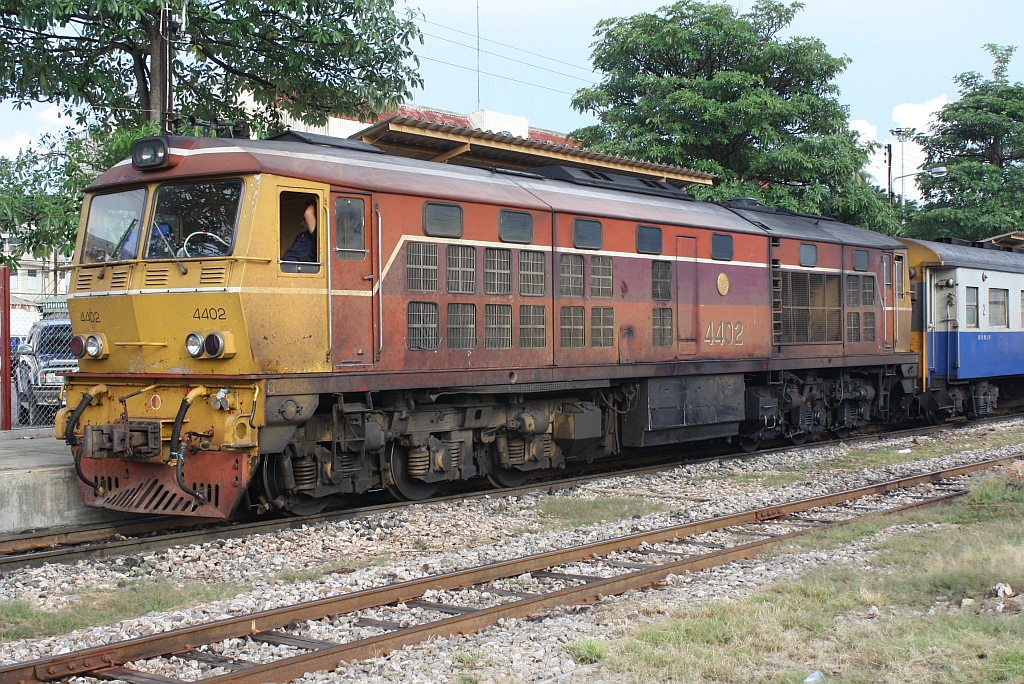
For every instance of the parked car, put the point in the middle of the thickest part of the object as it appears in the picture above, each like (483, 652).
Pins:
(40, 359)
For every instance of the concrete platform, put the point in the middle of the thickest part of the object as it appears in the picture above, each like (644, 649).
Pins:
(37, 485)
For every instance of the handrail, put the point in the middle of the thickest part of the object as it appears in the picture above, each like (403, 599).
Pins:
(380, 284)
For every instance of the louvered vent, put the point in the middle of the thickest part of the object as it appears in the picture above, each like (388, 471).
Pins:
(83, 283)
(157, 275)
(119, 278)
(213, 274)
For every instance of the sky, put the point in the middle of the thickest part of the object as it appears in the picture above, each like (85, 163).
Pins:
(535, 54)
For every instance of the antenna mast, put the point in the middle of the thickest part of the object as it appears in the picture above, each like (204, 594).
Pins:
(478, 54)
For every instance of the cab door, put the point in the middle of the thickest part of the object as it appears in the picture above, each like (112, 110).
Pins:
(686, 295)
(352, 279)
(888, 302)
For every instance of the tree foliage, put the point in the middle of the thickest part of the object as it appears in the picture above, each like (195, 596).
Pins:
(41, 188)
(980, 140)
(703, 86)
(310, 58)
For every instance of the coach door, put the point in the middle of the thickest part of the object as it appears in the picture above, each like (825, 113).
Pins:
(353, 276)
(686, 295)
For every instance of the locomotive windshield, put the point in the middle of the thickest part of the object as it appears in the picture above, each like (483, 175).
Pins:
(112, 231)
(194, 219)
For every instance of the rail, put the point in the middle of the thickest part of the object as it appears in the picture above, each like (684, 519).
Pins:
(107, 662)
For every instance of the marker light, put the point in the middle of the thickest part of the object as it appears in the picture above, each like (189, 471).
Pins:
(94, 346)
(149, 153)
(214, 345)
(194, 345)
(78, 346)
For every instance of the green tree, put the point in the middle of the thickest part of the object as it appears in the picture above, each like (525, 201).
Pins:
(980, 140)
(310, 58)
(41, 188)
(701, 85)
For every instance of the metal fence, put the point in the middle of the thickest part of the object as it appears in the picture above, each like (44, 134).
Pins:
(39, 354)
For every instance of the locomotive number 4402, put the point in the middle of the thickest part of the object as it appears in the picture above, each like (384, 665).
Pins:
(724, 332)
(210, 314)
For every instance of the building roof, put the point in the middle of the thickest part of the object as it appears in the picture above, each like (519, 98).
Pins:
(440, 136)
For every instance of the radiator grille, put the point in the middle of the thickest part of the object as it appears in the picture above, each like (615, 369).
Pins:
(213, 274)
(83, 283)
(423, 325)
(531, 274)
(497, 271)
(157, 275)
(811, 307)
(461, 269)
(461, 326)
(421, 266)
(532, 327)
(498, 326)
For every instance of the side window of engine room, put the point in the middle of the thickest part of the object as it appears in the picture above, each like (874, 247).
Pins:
(349, 228)
(299, 216)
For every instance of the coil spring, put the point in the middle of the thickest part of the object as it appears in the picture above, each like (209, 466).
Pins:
(516, 451)
(347, 462)
(305, 474)
(419, 462)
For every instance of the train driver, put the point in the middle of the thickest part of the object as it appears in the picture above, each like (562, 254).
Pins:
(304, 247)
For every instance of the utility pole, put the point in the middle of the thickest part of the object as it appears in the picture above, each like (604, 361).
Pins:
(888, 163)
(162, 74)
(478, 55)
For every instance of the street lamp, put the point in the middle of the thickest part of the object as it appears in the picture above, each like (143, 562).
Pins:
(934, 172)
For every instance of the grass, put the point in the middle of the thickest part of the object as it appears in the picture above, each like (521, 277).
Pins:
(784, 632)
(467, 679)
(587, 651)
(20, 620)
(466, 657)
(567, 512)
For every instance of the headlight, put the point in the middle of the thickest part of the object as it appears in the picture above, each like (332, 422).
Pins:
(78, 346)
(149, 153)
(194, 345)
(94, 346)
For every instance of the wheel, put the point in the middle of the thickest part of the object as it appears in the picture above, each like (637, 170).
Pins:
(935, 417)
(796, 438)
(841, 433)
(407, 488)
(749, 445)
(272, 489)
(504, 478)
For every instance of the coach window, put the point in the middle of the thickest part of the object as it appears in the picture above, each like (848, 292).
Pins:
(515, 226)
(293, 223)
(648, 240)
(442, 220)
(349, 215)
(586, 234)
(721, 247)
(860, 260)
(808, 255)
(998, 308)
(972, 307)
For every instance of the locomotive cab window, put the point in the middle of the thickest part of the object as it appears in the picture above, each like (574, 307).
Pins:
(299, 219)
(350, 234)
(860, 260)
(721, 247)
(113, 219)
(194, 220)
(808, 255)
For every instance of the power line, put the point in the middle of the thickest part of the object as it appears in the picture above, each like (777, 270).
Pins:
(511, 47)
(485, 73)
(511, 59)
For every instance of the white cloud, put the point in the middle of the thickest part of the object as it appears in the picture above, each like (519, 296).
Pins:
(51, 115)
(918, 116)
(867, 130)
(10, 146)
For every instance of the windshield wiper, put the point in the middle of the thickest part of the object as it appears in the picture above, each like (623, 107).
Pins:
(170, 250)
(117, 248)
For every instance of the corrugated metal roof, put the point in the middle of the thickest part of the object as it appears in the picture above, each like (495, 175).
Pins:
(431, 133)
(807, 227)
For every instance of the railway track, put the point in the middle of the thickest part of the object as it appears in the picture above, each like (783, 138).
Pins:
(372, 622)
(155, 533)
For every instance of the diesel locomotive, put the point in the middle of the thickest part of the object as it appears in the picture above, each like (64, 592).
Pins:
(460, 323)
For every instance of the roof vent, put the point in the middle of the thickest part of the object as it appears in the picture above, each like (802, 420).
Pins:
(324, 141)
(611, 181)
